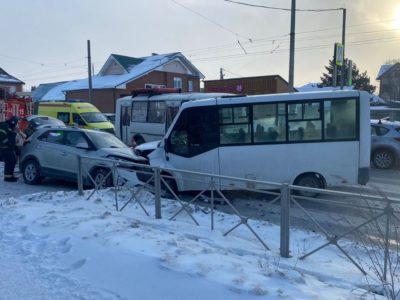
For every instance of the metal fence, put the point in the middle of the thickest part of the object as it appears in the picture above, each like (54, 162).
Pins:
(364, 215)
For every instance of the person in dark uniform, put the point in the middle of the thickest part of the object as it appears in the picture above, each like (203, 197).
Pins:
(7, 147)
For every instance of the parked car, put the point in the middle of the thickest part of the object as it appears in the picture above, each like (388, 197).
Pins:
(52, 152)
(385, 143)
(34, 122)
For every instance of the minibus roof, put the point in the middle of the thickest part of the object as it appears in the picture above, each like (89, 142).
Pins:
(174, 97)
(319, 95)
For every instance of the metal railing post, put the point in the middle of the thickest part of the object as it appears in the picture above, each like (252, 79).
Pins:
(80, 177)
(157, 192)
(212, 187)
(388, 212)
(115, 183)
(285, 221)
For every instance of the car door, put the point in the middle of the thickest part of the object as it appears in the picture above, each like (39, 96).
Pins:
(50, 152)
(76, 144)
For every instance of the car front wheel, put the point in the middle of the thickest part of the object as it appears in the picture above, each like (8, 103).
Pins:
(99, 177)
(31, 172)
(383, 159)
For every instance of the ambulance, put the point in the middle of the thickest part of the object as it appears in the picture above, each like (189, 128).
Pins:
(76, 113)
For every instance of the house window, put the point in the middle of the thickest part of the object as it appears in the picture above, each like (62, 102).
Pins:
(177, 82)
(190, 86)
(150, 86)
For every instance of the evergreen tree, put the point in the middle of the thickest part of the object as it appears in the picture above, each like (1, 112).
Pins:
(361, 81)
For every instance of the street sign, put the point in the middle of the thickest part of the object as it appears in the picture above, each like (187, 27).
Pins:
(339, 54)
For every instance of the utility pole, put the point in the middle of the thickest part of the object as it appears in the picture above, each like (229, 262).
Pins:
(292, 40)
(89, 71)
(221, 74)
(344, 52)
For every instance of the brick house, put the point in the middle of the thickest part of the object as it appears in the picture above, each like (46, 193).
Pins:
(121, 74)
(389, 82)
(9, 84)
(270, 84)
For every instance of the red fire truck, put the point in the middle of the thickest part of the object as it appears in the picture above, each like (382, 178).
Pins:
(20, 107)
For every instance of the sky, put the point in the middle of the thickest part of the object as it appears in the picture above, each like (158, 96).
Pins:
(57, 245)
(46, 40)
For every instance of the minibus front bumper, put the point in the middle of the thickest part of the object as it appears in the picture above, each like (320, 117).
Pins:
(363, 175)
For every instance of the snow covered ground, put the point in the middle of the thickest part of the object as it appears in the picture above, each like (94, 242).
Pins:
(59, 245)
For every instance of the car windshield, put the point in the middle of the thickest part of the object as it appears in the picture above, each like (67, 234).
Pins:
(105, 140)
(94, 117)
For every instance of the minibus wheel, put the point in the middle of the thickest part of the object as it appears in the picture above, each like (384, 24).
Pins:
(165, 191)
(312, 180)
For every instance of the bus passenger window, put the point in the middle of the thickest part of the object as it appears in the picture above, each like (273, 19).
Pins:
(139, 111)
(156, 113)
(340, 119)
(269, 123)
(234, 125)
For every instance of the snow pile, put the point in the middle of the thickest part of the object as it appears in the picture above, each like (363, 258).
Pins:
(62, 246)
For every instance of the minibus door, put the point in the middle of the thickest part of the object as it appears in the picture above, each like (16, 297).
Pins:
(125, 123)
(192, 145)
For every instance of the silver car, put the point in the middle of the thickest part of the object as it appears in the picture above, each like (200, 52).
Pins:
(385, 143)
(53, 152)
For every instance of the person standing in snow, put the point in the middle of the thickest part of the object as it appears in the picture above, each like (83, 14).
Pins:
(7, 147)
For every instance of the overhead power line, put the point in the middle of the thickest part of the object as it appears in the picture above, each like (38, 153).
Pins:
(210, 20)
(305, 48)
(283, 9)
(277, 43)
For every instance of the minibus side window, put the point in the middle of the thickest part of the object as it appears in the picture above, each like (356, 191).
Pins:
(139, 111)
(304, 121)
(156, 112)
(269, 123)
(340, 119)
(234, 125)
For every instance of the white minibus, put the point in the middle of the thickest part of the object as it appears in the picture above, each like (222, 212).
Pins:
(315, 139)
(146, 115)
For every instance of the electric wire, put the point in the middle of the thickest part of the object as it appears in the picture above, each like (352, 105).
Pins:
(284, 9)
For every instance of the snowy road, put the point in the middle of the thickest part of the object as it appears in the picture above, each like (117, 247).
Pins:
(58, 245)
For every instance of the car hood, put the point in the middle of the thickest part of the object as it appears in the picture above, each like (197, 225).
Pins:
(148, 146)
(121, 152)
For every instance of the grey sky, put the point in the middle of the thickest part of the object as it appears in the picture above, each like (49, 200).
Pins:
(45, 40)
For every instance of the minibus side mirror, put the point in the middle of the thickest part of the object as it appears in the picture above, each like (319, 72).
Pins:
(166, 146)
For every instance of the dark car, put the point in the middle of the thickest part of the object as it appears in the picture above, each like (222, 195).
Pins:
(34, 122)
(385, 143)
